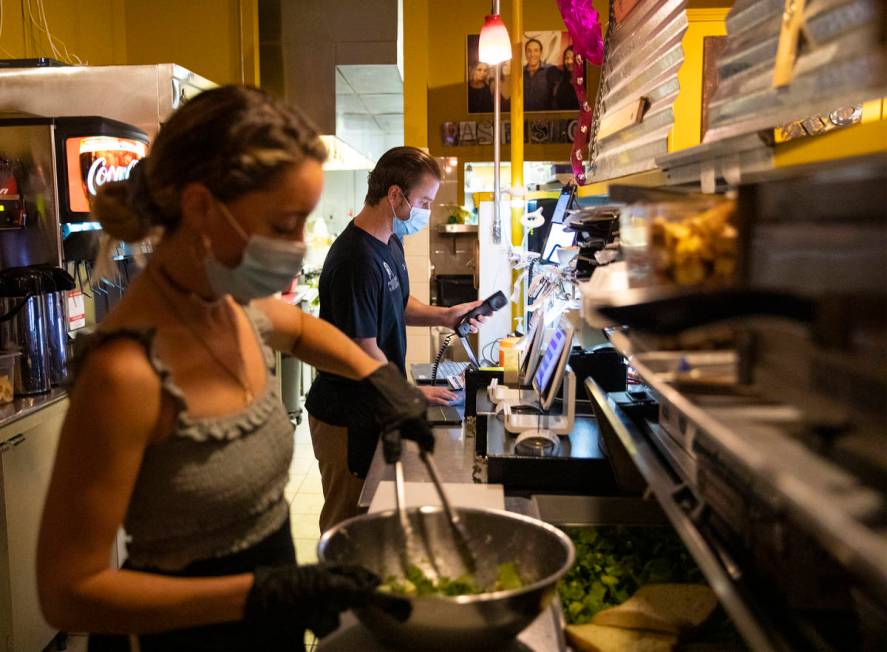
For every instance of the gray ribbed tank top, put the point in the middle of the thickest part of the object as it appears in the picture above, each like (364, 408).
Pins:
(215, 486)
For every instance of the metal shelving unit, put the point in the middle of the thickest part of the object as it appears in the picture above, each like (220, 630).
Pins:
(814, 497)
(682, 507)
(457, 229)
(832, 505)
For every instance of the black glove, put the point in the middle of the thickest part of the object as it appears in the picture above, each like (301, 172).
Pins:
(290, 599)
(395, 406)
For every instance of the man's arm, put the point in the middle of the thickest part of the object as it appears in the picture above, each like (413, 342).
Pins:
(434, 395)
(417, 313)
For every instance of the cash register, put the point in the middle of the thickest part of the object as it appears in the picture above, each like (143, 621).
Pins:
(532, 437)
(527, 413)
(427, 373)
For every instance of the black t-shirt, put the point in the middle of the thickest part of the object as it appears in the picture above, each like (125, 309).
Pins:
(364, 289)
(480, 100)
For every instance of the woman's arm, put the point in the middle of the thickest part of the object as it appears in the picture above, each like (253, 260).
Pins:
(96, 465)
(315, 341)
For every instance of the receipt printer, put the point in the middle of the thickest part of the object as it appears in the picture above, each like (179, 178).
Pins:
(603, 363)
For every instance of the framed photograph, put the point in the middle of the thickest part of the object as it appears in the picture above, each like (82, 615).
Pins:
(547, 65)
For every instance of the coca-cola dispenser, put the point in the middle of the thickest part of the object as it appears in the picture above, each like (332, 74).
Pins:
(50, 169)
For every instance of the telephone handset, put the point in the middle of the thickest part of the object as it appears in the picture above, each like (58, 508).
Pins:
(490, 305)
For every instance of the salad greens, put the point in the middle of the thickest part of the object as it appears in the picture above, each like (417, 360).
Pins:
(614, 562)
(416, 583)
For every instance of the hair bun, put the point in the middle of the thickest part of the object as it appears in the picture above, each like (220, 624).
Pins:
(114, 210)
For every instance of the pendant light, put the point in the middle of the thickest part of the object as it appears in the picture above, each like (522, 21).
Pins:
(493, 49)
(495, 44)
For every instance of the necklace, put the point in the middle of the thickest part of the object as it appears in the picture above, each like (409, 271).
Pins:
(239, 375)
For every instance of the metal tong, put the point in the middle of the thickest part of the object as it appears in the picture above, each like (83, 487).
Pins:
(411, 557)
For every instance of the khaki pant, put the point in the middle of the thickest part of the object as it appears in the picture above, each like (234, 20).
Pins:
(341, 489)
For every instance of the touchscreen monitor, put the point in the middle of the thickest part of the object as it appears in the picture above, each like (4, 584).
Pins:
(549, 373)
(531, 355)
(558, 236)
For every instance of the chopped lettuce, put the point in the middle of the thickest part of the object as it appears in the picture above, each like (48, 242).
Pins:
(507, 577)
(417, 584)
(613, 562)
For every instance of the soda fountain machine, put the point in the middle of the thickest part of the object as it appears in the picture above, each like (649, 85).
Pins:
(48, 242)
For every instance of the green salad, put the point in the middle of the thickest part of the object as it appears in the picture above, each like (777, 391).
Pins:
(417, 584)
(614, 562)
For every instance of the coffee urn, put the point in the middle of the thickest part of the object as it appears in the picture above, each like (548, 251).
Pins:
(34, 322)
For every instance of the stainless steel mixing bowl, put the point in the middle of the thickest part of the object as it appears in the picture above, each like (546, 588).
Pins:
(541, 552)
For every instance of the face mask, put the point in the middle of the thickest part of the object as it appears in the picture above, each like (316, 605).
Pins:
(417, 221)
(268, 266)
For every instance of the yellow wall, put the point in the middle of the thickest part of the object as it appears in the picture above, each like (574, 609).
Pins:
(92, 29)
(855, 140)
(704, 21)
(448, 25)
(206, 36)
(415, 73)
(201, 36)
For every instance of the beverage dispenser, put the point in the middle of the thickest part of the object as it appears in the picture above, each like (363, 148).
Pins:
(50, 169)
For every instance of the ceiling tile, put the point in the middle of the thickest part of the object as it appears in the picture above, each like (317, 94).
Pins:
(390, 123)
(373, 78)
(357, 122)
(349, 104)
(383, 103)
(342, 85)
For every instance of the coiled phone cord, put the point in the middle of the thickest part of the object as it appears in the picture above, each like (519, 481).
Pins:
(440, 355)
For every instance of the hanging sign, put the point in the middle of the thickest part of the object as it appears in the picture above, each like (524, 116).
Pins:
(469, 132)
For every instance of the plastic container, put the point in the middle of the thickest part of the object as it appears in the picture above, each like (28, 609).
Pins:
(684, 243)
(634, 220)
(509, 358)
(7, 384)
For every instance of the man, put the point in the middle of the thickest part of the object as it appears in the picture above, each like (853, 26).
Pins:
(364, 291)
(538, 78)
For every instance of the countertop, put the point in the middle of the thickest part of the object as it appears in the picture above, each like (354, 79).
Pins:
(26, 406)
(454, 458)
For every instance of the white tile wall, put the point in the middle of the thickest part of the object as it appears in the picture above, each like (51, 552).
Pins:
(417, 250)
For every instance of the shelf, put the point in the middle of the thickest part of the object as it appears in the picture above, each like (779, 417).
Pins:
(652, 178)
(457, 229)
(677, 501)
(831, 505)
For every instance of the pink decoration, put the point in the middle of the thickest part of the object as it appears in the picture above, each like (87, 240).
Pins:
(583, 23)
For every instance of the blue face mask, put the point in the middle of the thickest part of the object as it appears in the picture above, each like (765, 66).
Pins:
(417, 221)
(268, 266)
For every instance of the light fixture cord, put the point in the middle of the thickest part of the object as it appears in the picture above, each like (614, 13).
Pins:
(497, 137)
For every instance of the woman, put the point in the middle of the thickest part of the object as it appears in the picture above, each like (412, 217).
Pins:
(564, 93)
(480, 98)
(174, 428)
(505, 86)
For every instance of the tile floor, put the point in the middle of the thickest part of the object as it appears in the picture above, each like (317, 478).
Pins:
(305, 495)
